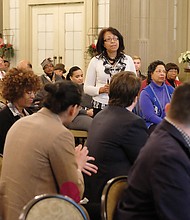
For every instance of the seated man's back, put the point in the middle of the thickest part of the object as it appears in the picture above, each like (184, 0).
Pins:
(159, 180)
(115, 137)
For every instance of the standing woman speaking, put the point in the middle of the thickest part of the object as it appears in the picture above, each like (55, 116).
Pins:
(110, 60)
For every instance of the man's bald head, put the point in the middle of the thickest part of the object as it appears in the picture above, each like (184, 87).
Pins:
(24, 64)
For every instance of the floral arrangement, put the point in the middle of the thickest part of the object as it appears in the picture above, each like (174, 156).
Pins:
(6, 50)
(91, 50)
(184, 57)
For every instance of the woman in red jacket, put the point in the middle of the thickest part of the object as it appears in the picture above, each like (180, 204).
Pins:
(172, 70)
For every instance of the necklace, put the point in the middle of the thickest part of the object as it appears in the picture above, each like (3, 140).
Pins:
(111, 60)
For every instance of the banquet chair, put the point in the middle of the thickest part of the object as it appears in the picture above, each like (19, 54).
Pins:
(1, 161)
(53, 206)
(110, 196)
(80, 136)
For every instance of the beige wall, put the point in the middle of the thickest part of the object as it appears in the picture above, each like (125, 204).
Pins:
(148, 27)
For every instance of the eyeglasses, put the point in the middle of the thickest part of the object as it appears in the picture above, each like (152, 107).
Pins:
(110, 39)
(160, 71)
(173, 71)
(48, 66)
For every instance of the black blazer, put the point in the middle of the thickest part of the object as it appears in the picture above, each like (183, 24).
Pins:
(159, 181)
(7, 119)
(114, 139)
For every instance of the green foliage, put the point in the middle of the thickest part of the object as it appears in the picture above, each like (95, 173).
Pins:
(6, 51)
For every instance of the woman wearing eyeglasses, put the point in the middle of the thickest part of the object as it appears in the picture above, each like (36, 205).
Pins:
(155, 96)
(18, 88)
(110, 59)
(172, 70)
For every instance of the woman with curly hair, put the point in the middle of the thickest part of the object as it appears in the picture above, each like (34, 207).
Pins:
(18, 88)
(110, 60)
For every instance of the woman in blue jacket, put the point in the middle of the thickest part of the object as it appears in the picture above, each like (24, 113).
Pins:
(155, 96)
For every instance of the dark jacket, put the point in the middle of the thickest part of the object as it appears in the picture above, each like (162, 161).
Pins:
(7, 119)
(159, 180)
(114, 139)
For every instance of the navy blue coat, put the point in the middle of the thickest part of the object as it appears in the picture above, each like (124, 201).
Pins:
(159, 181)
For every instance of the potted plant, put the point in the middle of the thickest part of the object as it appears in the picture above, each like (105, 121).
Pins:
(6, 51)
(185, 58)
(92, 50)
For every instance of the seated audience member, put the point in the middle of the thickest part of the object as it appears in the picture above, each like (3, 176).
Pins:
(155, 96)
(115, 137)
(59, 69)
(18, 88)
(2, 100)
(160, 178)
(48, 77)
(2, 67)
(137, 63)
(6, 65)
(2, 74)
(172, 70)
(40, 155)
(24, 65)
(83, 120)
(144, 83)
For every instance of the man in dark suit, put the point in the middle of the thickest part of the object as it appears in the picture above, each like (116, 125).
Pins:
(159, 181)
(115, 137)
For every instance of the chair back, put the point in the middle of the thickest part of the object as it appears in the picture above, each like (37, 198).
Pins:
(80, 136)
(56, 207)
(1, 161)
(110, 196)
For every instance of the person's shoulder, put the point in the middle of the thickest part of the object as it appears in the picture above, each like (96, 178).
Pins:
(94, 61)
(157, 142)
(5, 108)
(42, 75)
(5, 111)
(146, 90)
(143, 84)
(170, 88)
(136, 119)
(143, 77)
(127, 57)
(177, 82)
(42, 78)
(58, 78)
(119, 112)
(96, 58)
(166, 135)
